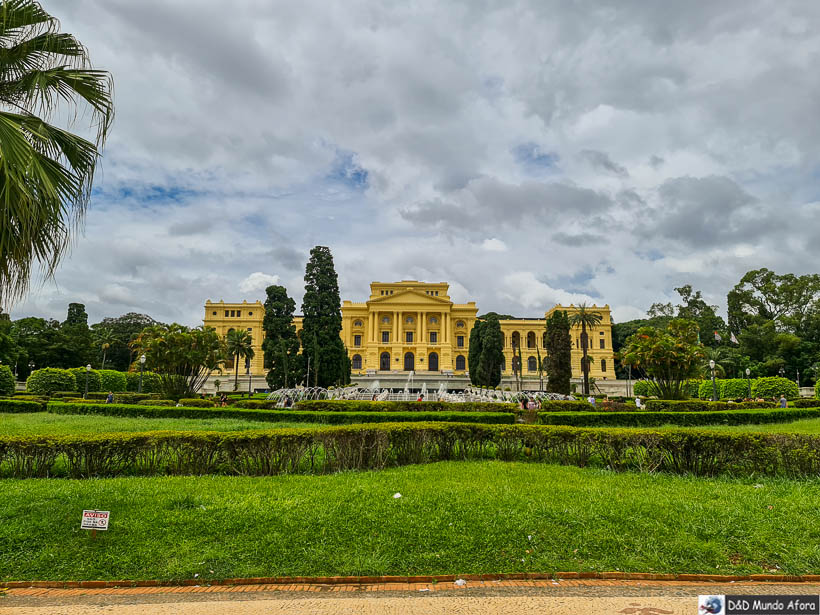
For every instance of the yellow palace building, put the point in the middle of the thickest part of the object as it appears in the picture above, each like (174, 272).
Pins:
(414, 326)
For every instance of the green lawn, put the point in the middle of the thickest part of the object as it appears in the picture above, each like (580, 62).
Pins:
(45, 423)
(454, 517)
(804, 426)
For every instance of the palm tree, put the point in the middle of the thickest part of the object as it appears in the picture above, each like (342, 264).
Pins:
(105, 339)
(587, 319)
(46, 172)
(722, 357)
(239, 344)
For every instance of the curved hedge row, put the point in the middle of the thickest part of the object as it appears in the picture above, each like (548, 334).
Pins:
(278, 416)
(367, 447)
(342, 405)
(694, 405)
(656, 419)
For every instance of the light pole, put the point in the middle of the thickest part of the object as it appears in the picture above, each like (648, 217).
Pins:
(248, 368)
(30, 367)
(748, 381)
(142, 365)
(714, 386)
(798, 379)
(87, 371)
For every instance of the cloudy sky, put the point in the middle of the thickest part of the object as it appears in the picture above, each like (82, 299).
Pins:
(526, 152)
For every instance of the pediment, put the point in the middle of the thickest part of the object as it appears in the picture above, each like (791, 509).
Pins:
(410, 297)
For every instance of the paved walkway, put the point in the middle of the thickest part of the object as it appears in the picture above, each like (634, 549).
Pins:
(502, 597)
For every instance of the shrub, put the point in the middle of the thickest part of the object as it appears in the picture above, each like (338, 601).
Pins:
(817, 389)
(565, 406)
(775, 386)
(124, 398)
(112, 380)
(373, 447)
(705, 389)
(734, 388)
(15, 406)
(337, 405)
(150, 382)
(196, 402)
(809, 402)
(683, 419)
(6, 380)
(281, 415)
(641, 388)
(693, 388)
(156, 402)
(93, 379)
(44, 381)
(694, 405)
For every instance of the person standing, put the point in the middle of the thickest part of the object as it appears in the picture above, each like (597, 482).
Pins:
(110, 398)
(783, 402)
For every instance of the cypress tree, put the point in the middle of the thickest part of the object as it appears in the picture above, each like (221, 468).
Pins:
(281, 345)
(322, 324)
(492, 353)
(79, 343)
(559, 353)
(474, 354)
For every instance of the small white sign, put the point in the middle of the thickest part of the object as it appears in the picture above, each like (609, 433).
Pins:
(95, 520)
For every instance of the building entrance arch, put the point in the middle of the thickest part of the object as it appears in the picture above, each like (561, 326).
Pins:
(384, 362)
(409, 362)
(432, 362)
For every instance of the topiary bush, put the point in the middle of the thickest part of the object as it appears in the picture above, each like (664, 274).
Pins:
(94, 379)
(775, 386)
(112, 380)
(705, 389)
(6, 380)
(156, 402)
(196, 402)
(734, 388)
(641, 388)
(150, 382)
(49, 379)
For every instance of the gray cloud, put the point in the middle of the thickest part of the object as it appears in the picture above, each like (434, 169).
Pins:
(602, 162)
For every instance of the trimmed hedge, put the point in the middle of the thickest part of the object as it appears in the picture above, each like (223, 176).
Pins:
(150, 382)
(277, 416)
(338, 405)
(373, 447)
(641, 388)
(734, 388)
(567, 406)
(49, 379)
(112, 380)
(124, 398)
(15, 406)
(94, 379)
(668, 405)
(6, 380)
(156, 402)
(683, 419)
(775, 386)
(196, 402)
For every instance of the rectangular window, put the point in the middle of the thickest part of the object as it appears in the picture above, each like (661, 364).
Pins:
(227, 313)
(233, 313)
(214, 313)
(238, 313)
(357, 340)
(433, 337)
(409, 337)
(250, 329)
(603, 343)
(460, 341)
(385, 337)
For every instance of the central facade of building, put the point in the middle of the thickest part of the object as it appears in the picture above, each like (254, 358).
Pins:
(414, 326)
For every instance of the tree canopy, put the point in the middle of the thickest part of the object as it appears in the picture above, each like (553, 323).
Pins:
(281, 344)
(559, 353)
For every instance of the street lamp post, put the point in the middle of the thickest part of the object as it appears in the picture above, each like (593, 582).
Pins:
(87, 371)
(748, 381)
(142, 365)
(714, 386)
(248, 369)
(798, 379)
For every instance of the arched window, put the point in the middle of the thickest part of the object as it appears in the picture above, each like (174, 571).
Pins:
(516, 339)
(384, 361)
(603, 365)
(531, 339)
(409, 320)
(357, 361)
(409, 362)
(386, 320)
(433, 320)
(432, 362)
(461, 364)
(460, 324)
(358, 323)
(532, 365)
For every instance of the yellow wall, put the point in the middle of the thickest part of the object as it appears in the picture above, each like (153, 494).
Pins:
(377, 329)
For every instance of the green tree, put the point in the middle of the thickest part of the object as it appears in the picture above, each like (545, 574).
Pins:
(42, 342)
(125, 329)
(104, 339)
(322, 320)
(78, 335)
(668, 358)
(724, 362)
(239, 345)
(46, 172)
(183, 358)
(693, 307)
(586, 319)
(492, 353)
(281, 344)
(474, 352)
(559, 353)
(9, 350)
(762, 295)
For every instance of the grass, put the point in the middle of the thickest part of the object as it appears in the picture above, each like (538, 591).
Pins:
(47, 424)
(810, 426)
(452, 518)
